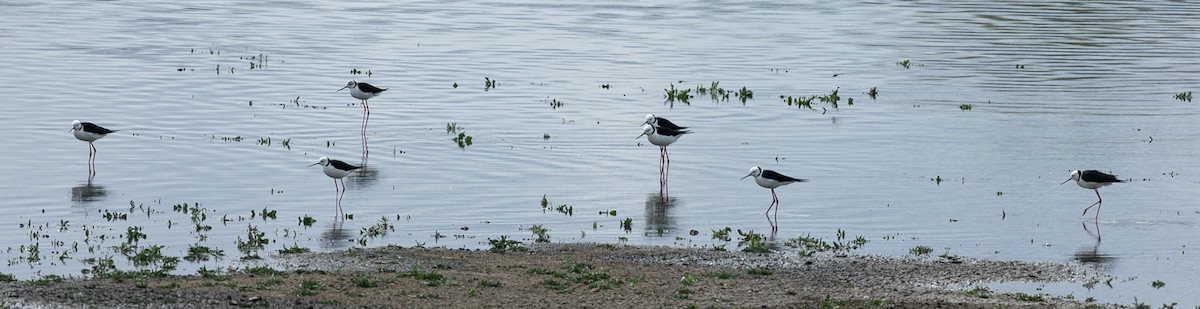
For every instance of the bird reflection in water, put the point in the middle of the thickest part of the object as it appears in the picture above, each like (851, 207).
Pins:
(87, 193)
(335, 237)
(658, 220)
(1093, 255)
(364, 177)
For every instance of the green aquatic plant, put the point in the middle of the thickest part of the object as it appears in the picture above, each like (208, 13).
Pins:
(1184, 96)
(904, 63)
(965, 107)
(873, 93)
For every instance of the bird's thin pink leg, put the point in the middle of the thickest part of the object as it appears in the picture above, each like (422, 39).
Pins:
(1099, 200)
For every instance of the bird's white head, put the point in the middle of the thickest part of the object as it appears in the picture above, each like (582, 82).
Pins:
(76, 125)
(650, 119)
(323, 161)
(754, 172)
(1075, 174)
(646, 130)
(349, 84)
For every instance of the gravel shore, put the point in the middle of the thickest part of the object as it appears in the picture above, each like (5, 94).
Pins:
(576, 276)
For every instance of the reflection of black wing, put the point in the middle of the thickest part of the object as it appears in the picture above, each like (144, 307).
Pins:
(343, 165)
(665, 131)
(93, 128)
(1097, 176)
(769, 174)
(663, 122)
(365, 87)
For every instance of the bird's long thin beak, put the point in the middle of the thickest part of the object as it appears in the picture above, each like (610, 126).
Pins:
(744, 177)
(314, 164)
(72, 129)
(640, 136)
(1065, 181)
(343, 88)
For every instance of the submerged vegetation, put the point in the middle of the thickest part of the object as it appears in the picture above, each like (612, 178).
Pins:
(714, 91)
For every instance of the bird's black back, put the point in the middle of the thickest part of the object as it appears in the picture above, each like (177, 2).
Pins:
(1097, 176)
(93, 128)
(343, 165)
(670, 132)
(365, 87)
(769, 174)
(663, 122)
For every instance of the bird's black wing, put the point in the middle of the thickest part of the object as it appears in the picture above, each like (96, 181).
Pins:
(780, 177)
(1097, 176)
(365, 87)
(93, 128)
(663, 122)
(670, 132)
(343, 165)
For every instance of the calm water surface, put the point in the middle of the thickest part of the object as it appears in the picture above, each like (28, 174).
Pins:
(1053, 86)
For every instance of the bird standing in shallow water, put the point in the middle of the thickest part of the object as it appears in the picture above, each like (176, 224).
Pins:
(662, 137)
(1092, 179)
(89, 132)
(337, 170)
(770, 179)
(364, 92)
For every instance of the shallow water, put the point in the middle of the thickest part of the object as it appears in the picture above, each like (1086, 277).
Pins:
(1053, 87)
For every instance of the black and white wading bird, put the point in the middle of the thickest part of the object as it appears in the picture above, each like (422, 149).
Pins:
(337, 170)
(662, 137)
(89, 132)
(770, 179)
(1092, 179)
(364, 92)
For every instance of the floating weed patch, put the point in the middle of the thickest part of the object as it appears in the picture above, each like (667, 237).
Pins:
(906, 64)
(197, 253)
(229, 139)
(378, 230)
(1184, 96)
(453, 127)
(673, 94)
(563, 209)
(920, 250)
(722, 234)
(255, 241)
(540, 233)
(555, 103)
(965, 107)
(306, 220)
(752, 242)
(504, 244)
(1157, 284)
(627, 225)
(360, 72)
(463, 140)
(805, 102)
(265, 214)
(873, 93)
(489, 83)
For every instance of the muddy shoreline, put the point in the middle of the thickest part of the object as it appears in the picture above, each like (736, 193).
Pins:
(573, 275)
